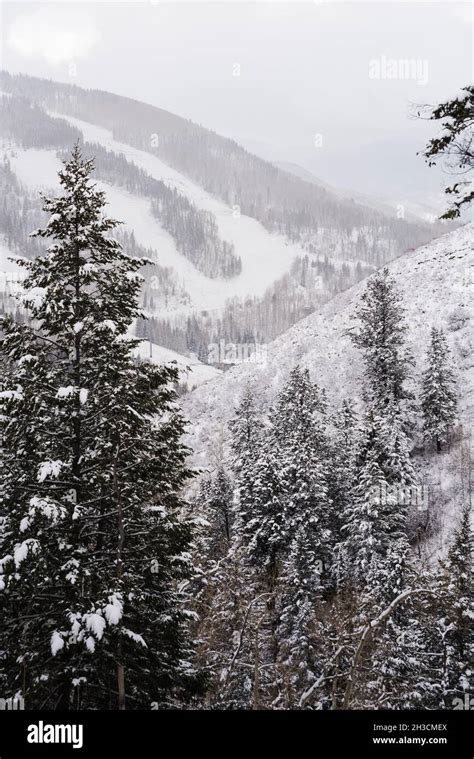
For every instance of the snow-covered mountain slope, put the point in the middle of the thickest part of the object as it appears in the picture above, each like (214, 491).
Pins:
(210, 169)
(436, 284)
(192, 371)
(243, 249)
(38, 168)
(254, 245)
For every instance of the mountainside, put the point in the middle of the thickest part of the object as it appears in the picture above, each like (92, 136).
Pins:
(192, 372)
(281, 201)
(242, 249)
(435, 283)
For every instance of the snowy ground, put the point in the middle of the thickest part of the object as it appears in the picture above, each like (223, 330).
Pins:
(10, 273)
(192, 371)
(5, 254)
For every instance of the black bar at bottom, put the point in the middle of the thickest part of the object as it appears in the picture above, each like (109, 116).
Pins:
(151, 734)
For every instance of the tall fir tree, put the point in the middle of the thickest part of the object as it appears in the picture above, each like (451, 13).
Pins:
(456, 623)
(283, 533)
(344, 443)
(216, 505)
(381, 337)
(377, 515)
(303, 523)
(93, 544)
(221, 594)
(247, 429)
(376, 520)
(289, 475)
(438, 398)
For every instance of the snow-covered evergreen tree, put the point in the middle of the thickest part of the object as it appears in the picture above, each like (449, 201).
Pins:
(379, 567)
(399, 666)
(439, 398)
(216, 501)
(246, 429)
(92, 547)
(221, 595)
(381, 337)
(376, 517)
(299, 625)
(289, 476)
(303, 525)
(457, 622)
(283, 529)
(344, 444)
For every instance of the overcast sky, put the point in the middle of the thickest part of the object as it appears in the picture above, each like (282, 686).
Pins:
(323, 84)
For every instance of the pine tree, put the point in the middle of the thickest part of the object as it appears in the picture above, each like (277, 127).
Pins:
(341, 475)
(216, 504)
(221, 595)
(376, 519)
(399, 666)
(283, 537)
(439, 402)
(246, 429)
(377, 516)
(92, 546)
(457, 630)
(381, 337)
(289, 476)
(300, 592)
(303, 524)
(264, 530)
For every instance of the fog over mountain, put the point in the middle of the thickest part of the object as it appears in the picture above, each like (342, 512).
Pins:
(271, 75)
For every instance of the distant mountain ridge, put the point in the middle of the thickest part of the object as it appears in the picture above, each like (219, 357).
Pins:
(281, 201)
(347, 194)
(243, 249)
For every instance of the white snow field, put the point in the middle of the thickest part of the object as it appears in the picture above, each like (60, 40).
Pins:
(10, 273)
(5, 254)
(436, 284)
(265, 256)
(192, 371)
(37, 169)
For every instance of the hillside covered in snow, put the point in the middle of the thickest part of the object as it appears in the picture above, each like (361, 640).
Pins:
(241, 248)
(435, 283)
(436, 286)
